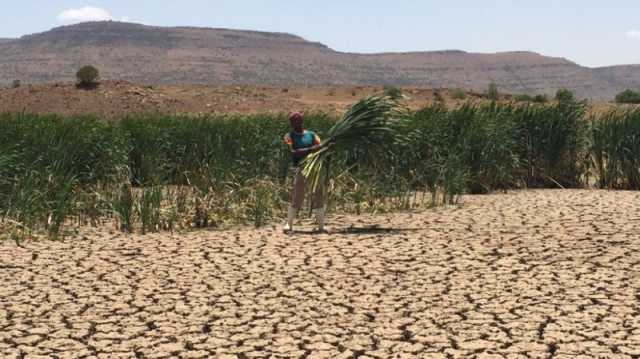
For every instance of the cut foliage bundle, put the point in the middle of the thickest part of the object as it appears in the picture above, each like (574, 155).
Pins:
(372, 121)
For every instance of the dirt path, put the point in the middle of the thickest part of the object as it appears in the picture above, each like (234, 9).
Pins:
(534, 274)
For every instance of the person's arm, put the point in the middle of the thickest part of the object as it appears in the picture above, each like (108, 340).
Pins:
(303, 151)
(287, 140)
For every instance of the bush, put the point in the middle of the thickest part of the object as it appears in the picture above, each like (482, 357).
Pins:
(16, 83)
(87, 76)
(492, 92)
(437, 97)
(393, 92)
(540, 99)
(524, 98)
(529, 98)
(564, 95)
(458, 94)
(628, 96)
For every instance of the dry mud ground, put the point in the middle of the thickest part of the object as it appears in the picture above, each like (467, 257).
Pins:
(533, 274)
(117, 99)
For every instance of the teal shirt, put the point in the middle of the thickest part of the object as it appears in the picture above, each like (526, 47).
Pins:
(298, 141)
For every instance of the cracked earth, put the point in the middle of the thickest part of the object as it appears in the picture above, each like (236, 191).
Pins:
(532, 274)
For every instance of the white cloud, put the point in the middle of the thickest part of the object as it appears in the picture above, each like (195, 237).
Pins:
(87, 13)
(633, 34)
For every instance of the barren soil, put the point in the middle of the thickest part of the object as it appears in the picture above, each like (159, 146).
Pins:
(533, 274)
(116, 99)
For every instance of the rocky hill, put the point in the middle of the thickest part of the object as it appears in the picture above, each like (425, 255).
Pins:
(188, 55)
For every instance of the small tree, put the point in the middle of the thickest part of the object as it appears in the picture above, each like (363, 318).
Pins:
(393, 92)
(437, 97)
(492, 92)
(540, 99)
(88, 76)
(524, 98)
(530, 98)
(628, 96)
(564, 95)
(458, 94)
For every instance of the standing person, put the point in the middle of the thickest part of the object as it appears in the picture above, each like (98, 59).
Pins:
(302, 142)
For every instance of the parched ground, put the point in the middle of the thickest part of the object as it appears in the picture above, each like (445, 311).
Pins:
(116, 99)
(533, 274)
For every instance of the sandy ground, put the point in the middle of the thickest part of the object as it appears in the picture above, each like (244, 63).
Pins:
(534, 274)
(116, 99)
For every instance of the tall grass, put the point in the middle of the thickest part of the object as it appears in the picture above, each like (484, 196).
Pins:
(150, 173)
(615, 149)
(470, 149)
(182, 150)
(48, 160)
(553, 144)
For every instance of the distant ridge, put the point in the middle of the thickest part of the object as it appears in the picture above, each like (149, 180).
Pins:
(177, 55)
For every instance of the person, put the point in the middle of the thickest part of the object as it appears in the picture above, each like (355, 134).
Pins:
(301, 143)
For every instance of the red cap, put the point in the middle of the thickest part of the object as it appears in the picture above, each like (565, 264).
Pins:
(295, 117)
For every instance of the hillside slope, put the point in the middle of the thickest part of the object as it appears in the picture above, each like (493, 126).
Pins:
(181, 55)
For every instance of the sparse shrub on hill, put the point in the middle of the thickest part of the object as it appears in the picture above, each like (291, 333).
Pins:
(524, 98)
(88, 76)
(393, 92)
(540, 99)
(529, 98)
(458, 94)
(15, 84)
(564, 95)
(628, 96)
(492, 92)
(437, 97)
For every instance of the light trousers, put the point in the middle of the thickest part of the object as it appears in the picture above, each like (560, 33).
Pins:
(298, 191)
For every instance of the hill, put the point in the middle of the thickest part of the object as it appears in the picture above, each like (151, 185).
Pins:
(189, 55)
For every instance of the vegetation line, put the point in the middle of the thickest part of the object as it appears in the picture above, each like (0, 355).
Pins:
(150, 173)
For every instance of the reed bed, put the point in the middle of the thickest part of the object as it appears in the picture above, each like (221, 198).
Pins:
(155, 173)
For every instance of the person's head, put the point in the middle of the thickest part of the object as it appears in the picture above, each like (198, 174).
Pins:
(296, 121)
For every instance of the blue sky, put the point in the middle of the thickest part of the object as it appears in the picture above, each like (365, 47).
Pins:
(589, 32)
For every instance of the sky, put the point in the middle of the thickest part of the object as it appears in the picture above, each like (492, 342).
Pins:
(590, 32)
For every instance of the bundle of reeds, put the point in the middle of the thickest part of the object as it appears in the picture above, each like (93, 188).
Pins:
(371, 121)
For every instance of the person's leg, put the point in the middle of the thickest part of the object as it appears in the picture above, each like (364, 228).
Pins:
(297, 199)
(319, 207)
(298, 190)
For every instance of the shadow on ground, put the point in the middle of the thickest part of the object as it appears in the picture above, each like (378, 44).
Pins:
(374, 229)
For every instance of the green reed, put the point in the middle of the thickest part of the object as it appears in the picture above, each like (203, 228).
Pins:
(155, 172)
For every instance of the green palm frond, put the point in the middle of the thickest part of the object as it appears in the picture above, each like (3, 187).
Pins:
(371, 121)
